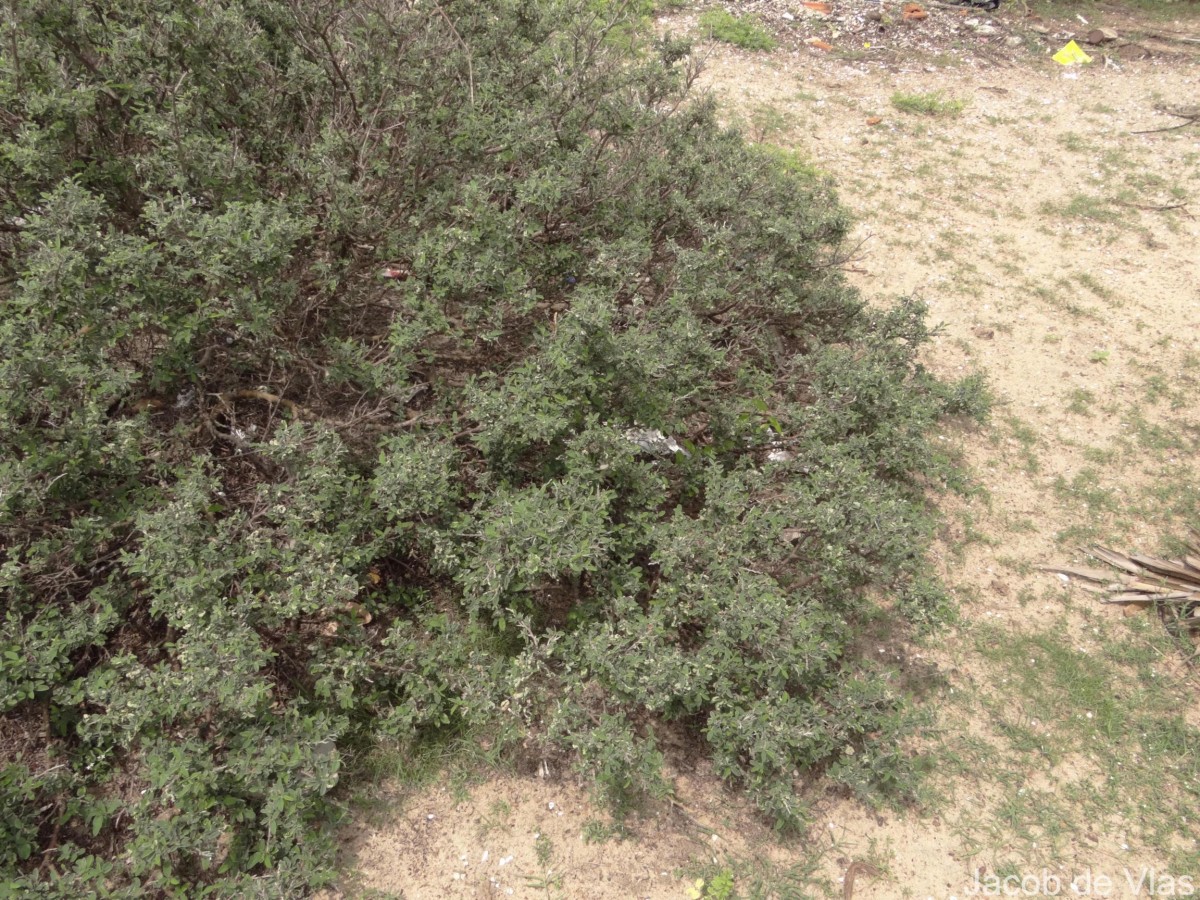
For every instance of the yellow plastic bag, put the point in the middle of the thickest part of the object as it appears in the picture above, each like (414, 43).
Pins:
(1071, 54)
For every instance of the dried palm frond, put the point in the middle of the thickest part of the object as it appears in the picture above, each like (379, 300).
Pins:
(1172, 585)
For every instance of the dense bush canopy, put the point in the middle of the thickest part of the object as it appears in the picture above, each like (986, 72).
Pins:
(384, 370)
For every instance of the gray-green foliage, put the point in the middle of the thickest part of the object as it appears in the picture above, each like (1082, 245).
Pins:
(260, 507)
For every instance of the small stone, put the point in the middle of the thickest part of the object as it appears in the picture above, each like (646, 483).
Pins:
(984, 334)
(1102, 36)
(1039, 29)
(1013, 40)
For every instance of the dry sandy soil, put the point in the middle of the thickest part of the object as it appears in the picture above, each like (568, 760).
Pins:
(1059, 250)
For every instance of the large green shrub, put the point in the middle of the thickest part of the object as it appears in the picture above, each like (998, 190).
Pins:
(260, 506)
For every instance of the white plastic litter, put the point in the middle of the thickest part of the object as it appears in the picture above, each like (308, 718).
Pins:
(654, 441)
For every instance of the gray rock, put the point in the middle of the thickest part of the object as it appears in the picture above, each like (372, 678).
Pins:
(1102, 36)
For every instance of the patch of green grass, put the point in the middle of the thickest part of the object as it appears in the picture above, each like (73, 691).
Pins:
(1086, 280)
(1073, 142)
(932, 104)
(1179, 437)
(1080, 402)
(794, 162)
(1100, 456)
(457, 760)
(756, 875)
(971, 534)
(497, 819)
(1061, 296)
(1156, 388)
(767, 122)
(1080, 534)
(1027, 439)
(1072, 692)
(1098, 697)
(596, 831)
(1083, 206)
(746, 32)
(1086, 488)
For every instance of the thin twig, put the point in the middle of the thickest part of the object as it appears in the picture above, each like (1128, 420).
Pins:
(466, 49)
(1169, 36)
(1168, 128)
(1154, 208)
(856, 868)
(324, 36)
(296, 409)
(16, 58)
(1150, 208)
(1191, 115)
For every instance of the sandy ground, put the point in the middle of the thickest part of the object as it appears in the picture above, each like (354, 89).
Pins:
(1030, 225)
